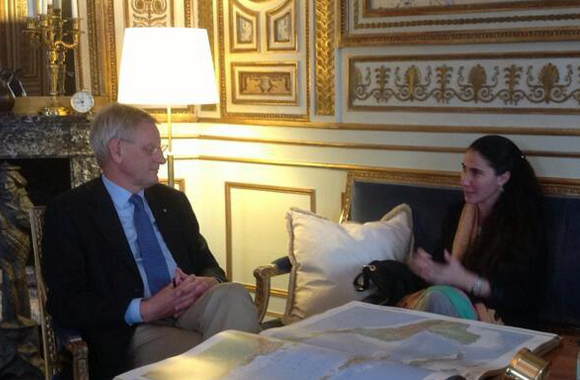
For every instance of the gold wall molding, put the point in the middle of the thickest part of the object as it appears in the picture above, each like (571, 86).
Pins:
(188, 13)
(470, 83)
(551, 185)
(287, 163)
(95, 68)
(363, 25)
(229, 186)
(457, 7)
(466, 129)
(205, 19)
(104, 53)
(370, 146)
(324, 75)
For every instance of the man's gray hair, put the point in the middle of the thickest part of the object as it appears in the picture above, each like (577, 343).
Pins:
(114, 121)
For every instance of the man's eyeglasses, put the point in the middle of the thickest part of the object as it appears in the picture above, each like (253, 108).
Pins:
(150, 149)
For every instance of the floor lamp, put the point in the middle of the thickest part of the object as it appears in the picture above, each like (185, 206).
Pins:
(166, 67)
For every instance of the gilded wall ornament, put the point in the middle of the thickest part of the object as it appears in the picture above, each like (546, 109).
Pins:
(244, 28)
(524, 82)
(281, 25)
(324, 57)
(265, 76)
(147, 13)
(376, 22)
(264, 83)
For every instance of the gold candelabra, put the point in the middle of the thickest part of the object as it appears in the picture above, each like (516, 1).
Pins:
(48, 30)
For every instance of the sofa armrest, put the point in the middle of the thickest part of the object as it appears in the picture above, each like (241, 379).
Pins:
(263, 274)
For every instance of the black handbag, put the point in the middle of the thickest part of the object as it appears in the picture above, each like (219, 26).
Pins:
(393, 280)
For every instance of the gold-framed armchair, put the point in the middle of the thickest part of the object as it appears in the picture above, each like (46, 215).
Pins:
(263, 275)
(65, 353)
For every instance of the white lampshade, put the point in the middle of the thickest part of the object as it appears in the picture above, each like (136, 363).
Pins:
(166, 67)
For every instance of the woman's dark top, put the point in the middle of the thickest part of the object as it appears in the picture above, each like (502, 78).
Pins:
(515, 283)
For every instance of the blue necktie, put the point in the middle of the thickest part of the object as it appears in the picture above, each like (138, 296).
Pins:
(149, 248)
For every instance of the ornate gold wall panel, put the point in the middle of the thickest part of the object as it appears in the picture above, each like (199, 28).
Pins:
(264, 61)
(547, 83)
(324, 56)
(281, 27)
(380, 22)
(264, 83)
(244, 28)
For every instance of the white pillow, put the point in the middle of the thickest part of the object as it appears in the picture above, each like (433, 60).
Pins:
(327, 256)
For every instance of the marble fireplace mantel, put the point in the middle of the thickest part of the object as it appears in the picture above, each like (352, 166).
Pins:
(31, 141)
(49, 137)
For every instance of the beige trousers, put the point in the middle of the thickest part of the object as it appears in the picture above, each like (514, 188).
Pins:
(225, 306)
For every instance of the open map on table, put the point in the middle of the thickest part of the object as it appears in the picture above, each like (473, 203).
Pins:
(357, 340)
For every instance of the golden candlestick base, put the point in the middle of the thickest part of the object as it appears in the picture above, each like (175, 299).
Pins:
(55, 109)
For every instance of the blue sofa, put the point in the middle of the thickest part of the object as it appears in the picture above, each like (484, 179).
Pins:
(369, 195)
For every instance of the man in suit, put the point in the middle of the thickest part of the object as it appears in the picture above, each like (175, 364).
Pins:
(125, 262)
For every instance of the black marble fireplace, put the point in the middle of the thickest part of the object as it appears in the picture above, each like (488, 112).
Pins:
(41, 137)
(53, 155)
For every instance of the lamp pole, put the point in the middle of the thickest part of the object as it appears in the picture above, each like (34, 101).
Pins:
(170, 161)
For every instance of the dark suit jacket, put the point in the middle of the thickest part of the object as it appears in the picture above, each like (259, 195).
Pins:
(90, 271)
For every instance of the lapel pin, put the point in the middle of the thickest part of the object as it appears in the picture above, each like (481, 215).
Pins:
(164, 209)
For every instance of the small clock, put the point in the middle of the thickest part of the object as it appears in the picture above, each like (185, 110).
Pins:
(82, 101)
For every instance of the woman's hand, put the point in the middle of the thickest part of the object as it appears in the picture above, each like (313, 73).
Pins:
(451, 272)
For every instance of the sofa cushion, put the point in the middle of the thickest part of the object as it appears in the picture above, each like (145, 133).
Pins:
(560, 303)
(369, 200)
(326, 257)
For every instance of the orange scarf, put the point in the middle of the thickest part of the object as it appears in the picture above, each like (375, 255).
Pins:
(467, 230)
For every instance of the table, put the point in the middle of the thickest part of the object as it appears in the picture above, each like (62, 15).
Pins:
(563, 359)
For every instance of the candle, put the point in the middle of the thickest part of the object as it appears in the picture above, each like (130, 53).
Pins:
(44, 6)
(31, 8)
(74, 10)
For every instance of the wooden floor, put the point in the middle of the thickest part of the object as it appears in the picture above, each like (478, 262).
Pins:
(563, 359)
